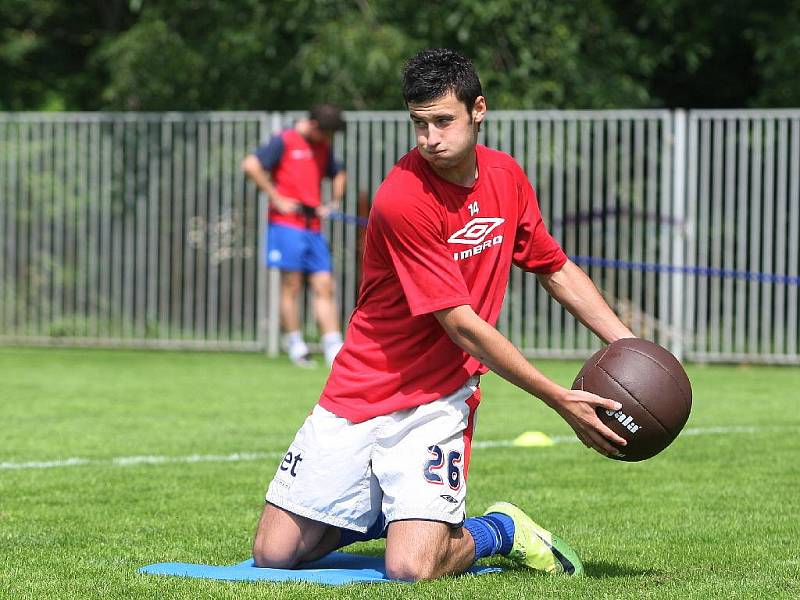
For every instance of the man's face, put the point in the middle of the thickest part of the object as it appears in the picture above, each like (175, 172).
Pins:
(446, 132)
(318, 135)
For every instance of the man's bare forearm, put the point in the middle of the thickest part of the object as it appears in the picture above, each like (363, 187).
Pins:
(253, 169)
(573, 289)
(479, 339)
(577, 407)
(337, 188)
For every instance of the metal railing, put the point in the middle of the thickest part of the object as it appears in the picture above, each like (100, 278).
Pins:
(140, 229)
(743, 211)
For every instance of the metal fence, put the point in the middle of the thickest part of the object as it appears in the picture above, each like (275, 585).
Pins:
(129, 229)
(743, 235)
(140, 229)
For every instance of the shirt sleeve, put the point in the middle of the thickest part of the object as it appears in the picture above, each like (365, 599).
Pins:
(269, 154)
(334, 166)
(535, 250)
(410, 236)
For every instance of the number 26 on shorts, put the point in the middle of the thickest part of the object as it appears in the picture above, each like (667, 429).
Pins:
(436, 462)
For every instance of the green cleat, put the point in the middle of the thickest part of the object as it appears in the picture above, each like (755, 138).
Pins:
(536, 547)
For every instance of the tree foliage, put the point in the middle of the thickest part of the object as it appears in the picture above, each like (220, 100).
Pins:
(287, 54)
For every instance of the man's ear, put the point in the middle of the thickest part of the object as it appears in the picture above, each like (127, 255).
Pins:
(479, 109)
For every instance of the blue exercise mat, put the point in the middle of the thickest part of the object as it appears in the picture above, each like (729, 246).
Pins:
(337, 568)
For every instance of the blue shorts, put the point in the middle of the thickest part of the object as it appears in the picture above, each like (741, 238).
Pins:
(292, 249)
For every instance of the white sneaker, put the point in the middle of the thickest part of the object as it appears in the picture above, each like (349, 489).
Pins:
(300, 356)
(304, 362)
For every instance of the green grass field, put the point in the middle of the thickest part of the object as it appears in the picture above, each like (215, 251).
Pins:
(714, 516)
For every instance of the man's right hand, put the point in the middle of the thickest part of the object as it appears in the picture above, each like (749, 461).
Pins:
(579, 409)
(283, 204)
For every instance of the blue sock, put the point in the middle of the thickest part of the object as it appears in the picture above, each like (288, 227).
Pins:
(375, 531)
(493, 534)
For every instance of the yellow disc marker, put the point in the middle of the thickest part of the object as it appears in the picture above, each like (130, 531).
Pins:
(533, 439)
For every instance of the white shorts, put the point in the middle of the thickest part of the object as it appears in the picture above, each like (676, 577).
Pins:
(410, 464)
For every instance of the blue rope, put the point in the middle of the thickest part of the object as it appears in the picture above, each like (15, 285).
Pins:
(593, 261)
(337, 216)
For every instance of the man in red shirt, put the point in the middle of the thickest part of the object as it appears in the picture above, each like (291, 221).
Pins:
(289, 169)
(386, 450)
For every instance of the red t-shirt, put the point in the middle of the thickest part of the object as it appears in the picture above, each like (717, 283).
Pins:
(431, 244)
(297, 174)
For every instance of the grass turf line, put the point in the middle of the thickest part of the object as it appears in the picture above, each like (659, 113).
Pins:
(713, 516)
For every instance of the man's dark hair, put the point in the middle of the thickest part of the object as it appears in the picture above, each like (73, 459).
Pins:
(433, 73)
(327, 116)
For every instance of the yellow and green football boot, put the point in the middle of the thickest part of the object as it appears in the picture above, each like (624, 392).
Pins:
(535, 547)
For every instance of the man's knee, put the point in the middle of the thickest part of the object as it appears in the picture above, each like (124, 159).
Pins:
(413, 567)
(322, 285)
(291, 282)
(284, 539)
(418, 550)
(277, 540)
(267, 556)
(268, 551)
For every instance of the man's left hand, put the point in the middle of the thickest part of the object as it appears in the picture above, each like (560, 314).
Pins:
(325, 210)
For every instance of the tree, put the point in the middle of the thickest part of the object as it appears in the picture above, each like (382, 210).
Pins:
(288, 54)
(47, 49)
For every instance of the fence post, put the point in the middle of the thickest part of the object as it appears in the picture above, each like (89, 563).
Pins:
(679, 232)
(268, 279)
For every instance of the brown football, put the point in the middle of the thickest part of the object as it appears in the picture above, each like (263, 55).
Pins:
(652, 387)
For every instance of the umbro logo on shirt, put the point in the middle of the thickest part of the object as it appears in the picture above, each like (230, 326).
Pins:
(301, 154)
(477, 234)
(476, 231)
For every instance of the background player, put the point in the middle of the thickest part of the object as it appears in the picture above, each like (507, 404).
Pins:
(289, 170)
(389, 441)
